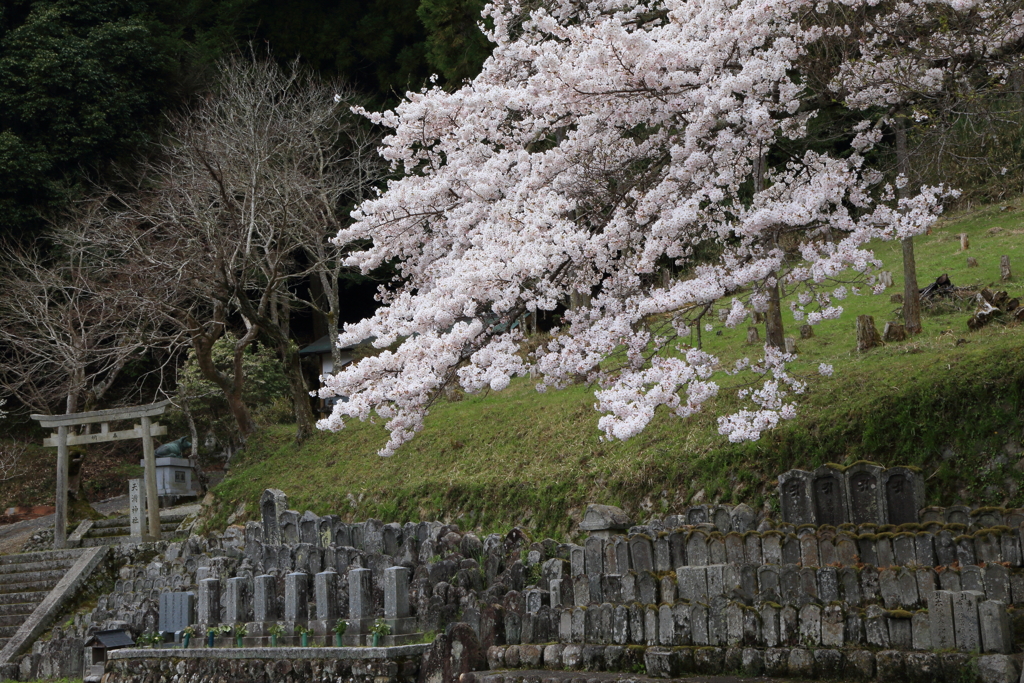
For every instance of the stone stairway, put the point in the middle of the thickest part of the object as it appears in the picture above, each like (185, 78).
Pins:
(117, 530)
(25, 580)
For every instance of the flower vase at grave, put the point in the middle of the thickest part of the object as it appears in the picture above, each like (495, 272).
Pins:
(209, 639)
(273, 640)
(305, 640)
(376, 640)
(185, 640)
(337, 640)
(238, 641)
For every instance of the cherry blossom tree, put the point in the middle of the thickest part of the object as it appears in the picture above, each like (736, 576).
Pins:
(601, 143)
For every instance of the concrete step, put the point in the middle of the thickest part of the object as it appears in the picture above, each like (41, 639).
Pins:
(40, 585)
(8, 631)
(7, 570)
(20, 609)
(113, 521)
(15, 578)
(124, 530)
(13, 619)
(89, 542)
(33, 597)
(108, 531)
(40, 556)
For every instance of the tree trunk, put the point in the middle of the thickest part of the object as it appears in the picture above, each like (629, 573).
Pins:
(911, 293)
(867, 333)
(774, 333)
(304, 419)
(230, 387)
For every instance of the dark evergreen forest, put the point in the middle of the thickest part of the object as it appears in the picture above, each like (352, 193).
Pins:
(86, 84)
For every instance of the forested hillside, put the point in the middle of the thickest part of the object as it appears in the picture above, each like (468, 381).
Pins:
(86, 83)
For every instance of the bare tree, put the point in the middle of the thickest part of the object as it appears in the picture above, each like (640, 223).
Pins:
(10, 454)
(66, 331)
(235, 209)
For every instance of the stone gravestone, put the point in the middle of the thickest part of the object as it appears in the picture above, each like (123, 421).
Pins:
(137, 509)
(177, 611)
(902, 495)
(829, 496)
(209, 602)
(309, 528)
(264, 601)
(289, 522)
(396, 593)
(795, 497)
(863, 492)
(602, 521)
(273, 503)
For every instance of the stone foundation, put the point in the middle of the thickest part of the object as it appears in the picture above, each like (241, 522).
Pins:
(803, 663)
(266, 665)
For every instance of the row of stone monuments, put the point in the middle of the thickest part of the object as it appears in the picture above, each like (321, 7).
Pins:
(864, 493)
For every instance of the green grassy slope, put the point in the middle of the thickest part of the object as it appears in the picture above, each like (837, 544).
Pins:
(949, 401)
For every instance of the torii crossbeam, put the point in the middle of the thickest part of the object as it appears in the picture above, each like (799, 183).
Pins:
(61, 439)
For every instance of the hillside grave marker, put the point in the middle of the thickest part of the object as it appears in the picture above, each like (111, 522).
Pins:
(829, 496)
(795, 497)
(903, 495)
(862, 484)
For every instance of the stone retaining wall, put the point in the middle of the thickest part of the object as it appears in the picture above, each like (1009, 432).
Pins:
(266, 665)
(804, 663)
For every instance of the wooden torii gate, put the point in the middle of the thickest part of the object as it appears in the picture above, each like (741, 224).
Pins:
(61, 439)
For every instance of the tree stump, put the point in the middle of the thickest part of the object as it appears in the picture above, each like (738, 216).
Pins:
(867, 333)
(758, 318)
(972, 262)
(896, 299)
(965, 243)
(806, 331)
(723, 314)
(894, 331)
(1004, 269)
(885, 278)
(752, 336)
(790, 345)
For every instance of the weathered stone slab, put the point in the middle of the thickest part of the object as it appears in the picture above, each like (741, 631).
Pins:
(697, 550)
(594, 555)
(662, 554)
(752, 553)
(296, 596)
(829, 491)
(809, 551)
(770, 626)
(360, 594)
(237, 606)
(965, 620)
(945, 548)
(264, 598)
(768, 584)
(309, 528)
(795, 496)
(997, 583)
(641, 553)
(697, 514)
(995, 627)
(771, 547)
(864, 493)
(177, 611)
(273, 504)
(833, 626)
(289, 522)
(209, 602)
(577, 561)
(902, 495)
